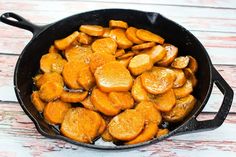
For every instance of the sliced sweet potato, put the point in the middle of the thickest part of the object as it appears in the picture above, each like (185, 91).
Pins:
(86, 78)
(81, 124)
(36, 79)
(143, 46)
(55, 111)
(180, 62)
(156, 53)
(73, 97)
(99, 59)
(127, 125)
(122, 100)
(149, 112)
(119, 52)
(113, 76)
(139, 64)
(193, 65)
(183, 91)
(182, 108)
(50, 91)
(106, 136)
(106, 32)
(119, 36)
(88, 104)
(180, 78)
(125, 61)
(172, 52)
(131, 35)
(53, 49)
(38, 103)
(93, 30)
(40, 79)
(102, 103)
(62, 44)
(84, 38)
(158, 80)
(162, 132)
(148, 133)
(190, 76)
(102, 127)
(104, 45)
(118, 23)
(146, 35)
(138, 91)
(126, 55)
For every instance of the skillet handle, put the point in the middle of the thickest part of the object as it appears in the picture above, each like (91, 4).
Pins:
(195, 125)
(18, 21)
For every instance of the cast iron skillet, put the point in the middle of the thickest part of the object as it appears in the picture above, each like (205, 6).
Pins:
(43, 36)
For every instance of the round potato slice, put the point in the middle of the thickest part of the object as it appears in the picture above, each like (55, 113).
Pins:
(55, 111)
(127, 125)
(190, 75)
(118, 23)
(119, 36)
(84, 38)
(193, 65)
(139, 64)
(180, 62)
(88, 104)
(182, 108)
(148, 133)
(131, 35)
(149, 112)
(50, 91)
(104, 45)
(122, 100)
(125, 61)
(146, 35)
(103, 104)
(162, 132)
(93, 30)
(48, 77)
(143, 46)
(86, 78)
(183, 91)
(113, 77)
(81, 124)
(156, 53)
(158, 80)
(62, 44)
(180, 78)
(38, 103)
(172, 52)
(138, 91)
(73, 97)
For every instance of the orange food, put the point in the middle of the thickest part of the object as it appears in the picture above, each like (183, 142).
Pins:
(93, 30)
(146, 35)
(84, 38)
(53, 49)
(102, 127)
(40, 79)
(190, 75)
(138, 91)
(162, 132)
(104, 45)
(86, 78)
(180, 78)
(172, 52)
(156, 53)
(62, 44)
(122, 100)
(73, 97)
(126, 55)
(193, 65)
(131, 35)
(88, 104)
(143, 46)
(50, 91)
(106, 32)
(113, 76)
(106, 136)
(119, 36)
(180, 62)
(183, 91)
(125, 61)
(118, 23)
(38, 103)
(119, 52)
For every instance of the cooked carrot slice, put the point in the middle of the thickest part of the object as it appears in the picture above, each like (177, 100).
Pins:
(50, 91)
(138, 91)
(182, 108)
(150, 113)
(104, 45)
(119, 52)
(185, 90)
(38, 103)
(165, 102)
(180, 62)
(78, 53)
(99, 59)
(102, 103)
(180, 78)
(146, 35)
(93, 30)
(84, 38)
(55, 111)
(86, 78)
(113, 76)
(125, 61)
(131, 35)
(71, 72)
(106, 32)
(62, 44)
(118, 23)
(143, 46)
(119, 36)
(40, 79)
(73, 97)
(162, 132)
(122, 100)
(81, 124)
(127, 125)
(193, 65)
(190, 75)
(156, 53)
(158, 80)
(102, 127)
(88, 104)
(53, 49)
(126, 55)
(139, 64)
(148, 133)
(172, 52)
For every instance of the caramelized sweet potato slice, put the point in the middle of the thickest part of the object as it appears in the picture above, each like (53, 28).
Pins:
(104, 45)
(143, 46)
(148, 133)
(126, 55)
(185, 90)
(180, 78)
(172, 52)
(81, 124)
(118, 23)
(40, 79)
(50, 91)
(119, 36)
(38, 103)
(106, 136)
(84, 38)
(131, 35)
(190, 76)
(180, 62)
(53, 49)
(102, 103)
(125, 61)
(86, 78)
(182, 108)
(156, 53)
(106, 32)
(119, 52)
(55, 111)
(113, 76)
(73, 97)
(127, 125)
(162, 132)
(93, 30)
(122, 100)
(88, 104)
(193, 65)
(62, 44)
(146, 35)
(102, 127)
(138, 91)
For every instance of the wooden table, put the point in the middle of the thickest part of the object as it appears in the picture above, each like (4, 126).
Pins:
(213, 22)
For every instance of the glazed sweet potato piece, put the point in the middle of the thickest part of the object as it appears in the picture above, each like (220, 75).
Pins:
(122, 100)
(106, 136)
(125, 61)
(156, 53)
(183, 91)
(180, 78)
(162, 132)
(93, 30)
(88, 104)
(182, 108)
(146, 35)
(40, 79)
(62, 44)
(50, 91)
(172, 52)
(38, 103)
(131, 35)
(84, 38)
(102, 127)
(139, 64)
(127, 125)
(190, 76)
(193, 65)
(104, 45)
(113, 76)
(86, 78)
(138, 91)
(106, 32)
(55, 111)
(126, 55)
(53, 49)
(143, 46)
(180, 62)
(119, 52)
(73, 97)
(118, 23)
(81, 124)
(102, 103)
(119, 36)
